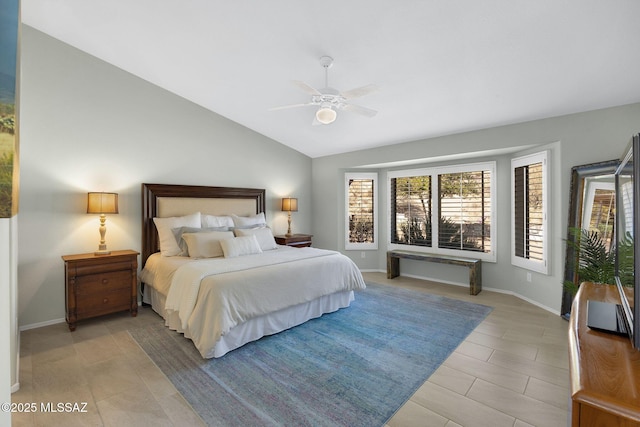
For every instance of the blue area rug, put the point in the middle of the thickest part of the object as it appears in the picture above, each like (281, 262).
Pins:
(354, 367)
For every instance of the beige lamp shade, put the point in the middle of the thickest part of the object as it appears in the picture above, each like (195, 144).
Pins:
(102, 203)
(290, 204)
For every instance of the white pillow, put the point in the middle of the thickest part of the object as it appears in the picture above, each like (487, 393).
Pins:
(263, 235)
(216, 221)
(206, 245)
(238, 246)
(249, 221)
(168, 243)
(178, 232)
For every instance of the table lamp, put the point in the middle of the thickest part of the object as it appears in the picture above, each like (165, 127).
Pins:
(102, 204)
(289, 204)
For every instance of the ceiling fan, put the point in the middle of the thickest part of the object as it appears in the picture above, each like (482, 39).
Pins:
(330, 100)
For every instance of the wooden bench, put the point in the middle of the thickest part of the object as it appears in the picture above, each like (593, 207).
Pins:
(474, 265)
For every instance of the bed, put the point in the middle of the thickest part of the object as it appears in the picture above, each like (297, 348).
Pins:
(212, 269)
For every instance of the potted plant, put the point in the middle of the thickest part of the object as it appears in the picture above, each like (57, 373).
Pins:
(596, 260)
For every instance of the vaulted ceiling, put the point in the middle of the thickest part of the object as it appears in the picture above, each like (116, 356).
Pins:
(442, 66)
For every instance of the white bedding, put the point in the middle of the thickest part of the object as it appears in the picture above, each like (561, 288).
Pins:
(211, 297)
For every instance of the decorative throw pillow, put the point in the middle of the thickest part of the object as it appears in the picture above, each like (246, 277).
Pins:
(168, 243)
(238, 246)
(206, 245)
(263, 235)
(217, 221)
(178, 232)
(249, 221)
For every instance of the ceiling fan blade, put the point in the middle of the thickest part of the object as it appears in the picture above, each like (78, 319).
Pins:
(305, 87)
(284, 107)
(368, 112)
(360, 91)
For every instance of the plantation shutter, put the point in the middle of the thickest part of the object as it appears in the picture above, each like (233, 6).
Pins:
(465, 211)
(603, 214)
(411, 210)
(520, 211)
(529, 181)
(361, 210)
(528, 211)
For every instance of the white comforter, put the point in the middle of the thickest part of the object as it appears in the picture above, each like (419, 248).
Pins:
(211, 296)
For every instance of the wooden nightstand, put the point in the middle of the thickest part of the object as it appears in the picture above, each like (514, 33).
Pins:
(296, 240)
(100, 284)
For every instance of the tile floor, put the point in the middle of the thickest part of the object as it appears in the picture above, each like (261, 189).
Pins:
(511, 371)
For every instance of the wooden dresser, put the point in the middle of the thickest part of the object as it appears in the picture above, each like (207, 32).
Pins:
(100, 284)
(605, 369)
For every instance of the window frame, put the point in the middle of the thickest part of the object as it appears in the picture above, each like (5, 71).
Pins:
(357, 246)
(540, 266)
(490, 256)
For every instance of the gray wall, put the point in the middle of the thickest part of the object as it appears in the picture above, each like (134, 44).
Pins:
(573, 140)
(89, 126)
(9, 337)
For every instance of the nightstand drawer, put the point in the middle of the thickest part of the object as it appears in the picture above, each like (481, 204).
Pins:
(295, 240)
(86, 269)
(92, 284)
(97, 304)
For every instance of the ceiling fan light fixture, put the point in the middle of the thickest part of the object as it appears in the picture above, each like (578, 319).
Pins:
(326, 115)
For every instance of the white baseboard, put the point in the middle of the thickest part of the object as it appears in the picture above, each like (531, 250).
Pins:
(15, 388)
(41, 324)
(536, 303)
(502, 291)
(49, 322)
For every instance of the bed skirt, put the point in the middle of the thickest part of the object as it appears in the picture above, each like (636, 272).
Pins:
(257, 327)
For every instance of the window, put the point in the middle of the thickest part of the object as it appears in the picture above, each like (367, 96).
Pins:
(411, 210)
(465, 207)
(529, 212)
(445, 209)
(361, 204)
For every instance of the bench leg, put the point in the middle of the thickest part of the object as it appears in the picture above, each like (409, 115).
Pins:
(475, 279)
(393, 267)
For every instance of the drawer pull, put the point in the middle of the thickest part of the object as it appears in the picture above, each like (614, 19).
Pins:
(105, 281)
(105, 301)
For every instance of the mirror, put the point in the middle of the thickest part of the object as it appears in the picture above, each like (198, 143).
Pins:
(590, 207)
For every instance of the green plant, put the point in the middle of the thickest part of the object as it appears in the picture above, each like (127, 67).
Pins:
(6, 180)
(416, 232)
(8, 124)
(626, 261)
(360, 231)
(595, 261)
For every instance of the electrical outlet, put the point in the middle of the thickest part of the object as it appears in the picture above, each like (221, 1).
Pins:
(528, 277)
(363, 254)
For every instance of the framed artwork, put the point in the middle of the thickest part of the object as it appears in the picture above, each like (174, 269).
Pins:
(8, 123)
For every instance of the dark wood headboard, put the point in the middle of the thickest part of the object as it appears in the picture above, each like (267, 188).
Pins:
(152, 192)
